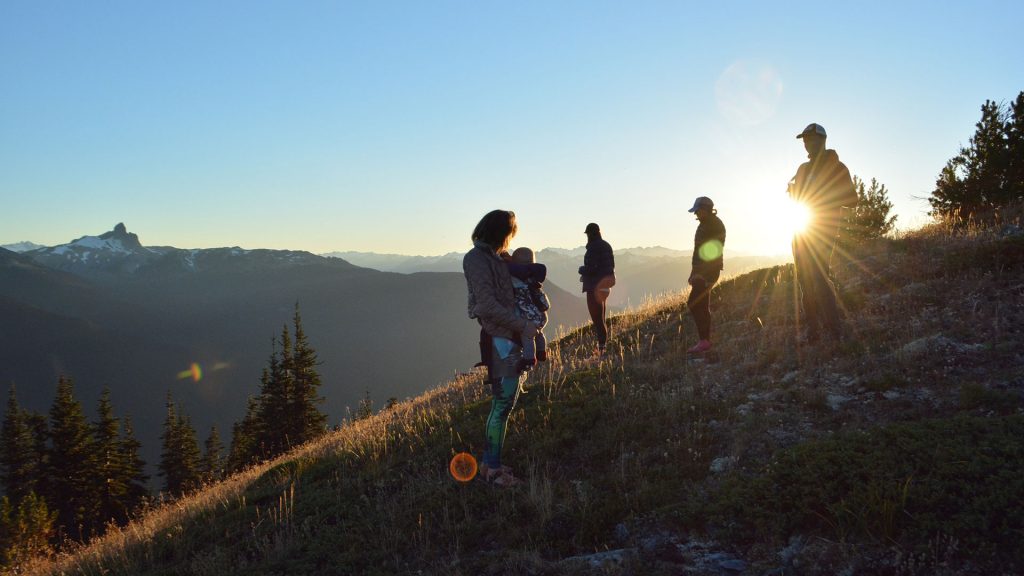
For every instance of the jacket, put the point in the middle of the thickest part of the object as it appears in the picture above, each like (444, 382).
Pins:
(824, 185)
(491, 298)
(598, 263)
(708, 247)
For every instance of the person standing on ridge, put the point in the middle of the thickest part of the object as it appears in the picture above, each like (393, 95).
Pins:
(492, 302)
(598, 277)
(706, 266)
(824, 186)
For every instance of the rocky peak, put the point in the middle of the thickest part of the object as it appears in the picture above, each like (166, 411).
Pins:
(120, 232)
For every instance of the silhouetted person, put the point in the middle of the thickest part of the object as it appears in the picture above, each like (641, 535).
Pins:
(492, 303)
(598, 277)
(706, 266)
(823, 184)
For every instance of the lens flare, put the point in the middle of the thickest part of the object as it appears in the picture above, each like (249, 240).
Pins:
(463, 467)
(795, 216)
(195, 372)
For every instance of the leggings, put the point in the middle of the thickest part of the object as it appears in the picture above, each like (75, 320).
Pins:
(504, 393)
(597, 305)
(699, 304)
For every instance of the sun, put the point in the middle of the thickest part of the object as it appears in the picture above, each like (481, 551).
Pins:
(793, 216)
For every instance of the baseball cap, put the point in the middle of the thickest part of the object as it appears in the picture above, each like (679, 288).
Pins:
(701, 202)
(813, 128)
(591, 228)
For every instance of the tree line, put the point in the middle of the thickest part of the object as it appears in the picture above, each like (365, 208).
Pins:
(67, 479)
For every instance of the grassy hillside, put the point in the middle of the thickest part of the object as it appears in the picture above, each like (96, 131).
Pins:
(898, 451)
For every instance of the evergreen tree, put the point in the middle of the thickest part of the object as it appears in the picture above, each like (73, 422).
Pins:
(25, 530)
(244, 438)
(179, 459)
(870, 219)
(988, 174)
(307, 422)
(19, 461)
(111, 471)
(136, 490)
(213, 461)
(365, 409)
(285, 414)
(72, 465)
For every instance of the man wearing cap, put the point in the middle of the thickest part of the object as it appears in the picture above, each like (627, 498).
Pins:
(823, 184)
(706, 265)
(598, 277)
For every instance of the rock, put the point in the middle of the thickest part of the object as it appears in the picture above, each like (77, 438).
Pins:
(744, 409)
(621, 532)
(835, 401)
(604, 560)
(719, 465)
(789, 377)
(891, 394)
(733, 565)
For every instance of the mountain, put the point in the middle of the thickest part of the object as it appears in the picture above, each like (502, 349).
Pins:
(21, 246)
(641, 272)
(110, 312)
(894, 451)
(451, 262)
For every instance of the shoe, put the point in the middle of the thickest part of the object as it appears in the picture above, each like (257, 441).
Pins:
(700, 347)
(501, 476)
(525, 364)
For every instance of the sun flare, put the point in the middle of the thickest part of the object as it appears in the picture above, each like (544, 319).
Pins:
(794, 216)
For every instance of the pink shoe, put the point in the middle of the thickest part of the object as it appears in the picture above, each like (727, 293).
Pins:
(700, 347)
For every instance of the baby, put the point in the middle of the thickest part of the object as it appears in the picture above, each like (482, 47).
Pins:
(531, 303)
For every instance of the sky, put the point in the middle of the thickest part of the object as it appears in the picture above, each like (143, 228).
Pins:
(393, 127)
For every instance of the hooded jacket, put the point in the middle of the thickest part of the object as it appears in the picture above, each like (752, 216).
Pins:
(824, 185)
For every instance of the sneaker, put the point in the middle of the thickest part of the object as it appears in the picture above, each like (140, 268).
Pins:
(700, 347)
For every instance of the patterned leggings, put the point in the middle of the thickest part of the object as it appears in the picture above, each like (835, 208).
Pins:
(505, 392)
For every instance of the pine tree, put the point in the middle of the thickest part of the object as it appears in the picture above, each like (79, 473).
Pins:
(989, 173)
(72, 465)
(244, 438)
(179, 459)
(306, 419)
(365, 409)
(111, 472)
(213, 462)
(870, 219)
(285, 414)
(25, 529)
(19, 461)
(136, 490)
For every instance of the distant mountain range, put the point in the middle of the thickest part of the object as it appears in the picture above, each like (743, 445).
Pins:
(108, 311)
(641, 273)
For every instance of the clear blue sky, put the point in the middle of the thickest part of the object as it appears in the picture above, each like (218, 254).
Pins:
(393, 126)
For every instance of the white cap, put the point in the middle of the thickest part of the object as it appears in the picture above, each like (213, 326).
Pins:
(813, 129)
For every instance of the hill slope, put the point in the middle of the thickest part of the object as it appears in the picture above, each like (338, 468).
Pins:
(898, 451)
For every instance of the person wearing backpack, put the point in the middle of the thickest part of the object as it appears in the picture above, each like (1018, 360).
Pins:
(492, 303)
(824, 186)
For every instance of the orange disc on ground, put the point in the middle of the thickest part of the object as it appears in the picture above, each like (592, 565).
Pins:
(463, 467)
